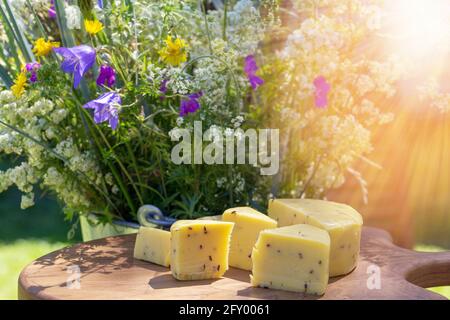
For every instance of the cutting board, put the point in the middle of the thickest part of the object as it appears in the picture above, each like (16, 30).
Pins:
(107, 270)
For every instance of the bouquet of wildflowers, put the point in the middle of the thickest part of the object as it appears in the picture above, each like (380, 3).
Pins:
(96, 92)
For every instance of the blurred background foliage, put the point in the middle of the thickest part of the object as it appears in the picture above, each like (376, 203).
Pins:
(28, 234)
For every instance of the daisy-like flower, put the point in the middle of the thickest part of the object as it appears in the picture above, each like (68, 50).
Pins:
(174, 53)
(19, 84)
(42, 48)
(77, 60)
(191, 104)
(93, 26)
(322, 88)
(106, 108)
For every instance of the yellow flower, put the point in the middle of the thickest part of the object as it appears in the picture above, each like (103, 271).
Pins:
(93, 26)
(19, 84)
(174, 53)
(43, 48)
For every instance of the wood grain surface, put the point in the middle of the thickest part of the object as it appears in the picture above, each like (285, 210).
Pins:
(109, 271)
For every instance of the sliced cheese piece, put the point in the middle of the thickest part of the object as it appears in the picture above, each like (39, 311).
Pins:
(199, 249)
(248, 223)
(216, 218)
(342, 222)
(153, 245)
(293, 258)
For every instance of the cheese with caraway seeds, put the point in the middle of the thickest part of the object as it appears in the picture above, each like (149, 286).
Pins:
(199, 249)
(342, 222)
(293, 258)
(153, 245)
(248, 223)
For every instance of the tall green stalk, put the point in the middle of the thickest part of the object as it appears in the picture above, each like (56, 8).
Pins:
(38, 20)
(119, 162)
(11, 38)
(22, 42)
(4, 76)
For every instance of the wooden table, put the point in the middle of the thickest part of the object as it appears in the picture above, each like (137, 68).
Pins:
(109, 271)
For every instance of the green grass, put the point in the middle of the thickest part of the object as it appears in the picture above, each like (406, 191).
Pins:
(445, 291)
(14, 257)
(27, 234)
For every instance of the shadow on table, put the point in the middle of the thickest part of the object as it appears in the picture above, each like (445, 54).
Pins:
(166, 281)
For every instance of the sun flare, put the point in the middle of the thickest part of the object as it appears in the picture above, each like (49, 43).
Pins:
(420, 27)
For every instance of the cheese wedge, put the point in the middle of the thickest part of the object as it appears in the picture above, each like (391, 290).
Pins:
(342, 222)
(216, 218)
(153, 245)
(248, 223)
(199, 249)
(293, 258)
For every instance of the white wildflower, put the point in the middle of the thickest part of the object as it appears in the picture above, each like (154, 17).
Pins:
(27, 200)
(58, 115)
(73, 17)
(180, 121)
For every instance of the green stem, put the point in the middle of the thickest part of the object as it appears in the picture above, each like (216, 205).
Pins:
(66, 35)
(133, 160)
(11, 38)
(18, 34)
(38, 21)
(163, 182)
(316, 167)
(207, 27)
(119, 162)
(4, 76)
(225, 13)
(111, 167)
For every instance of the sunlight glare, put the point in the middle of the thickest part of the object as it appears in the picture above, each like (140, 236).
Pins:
(421, 27)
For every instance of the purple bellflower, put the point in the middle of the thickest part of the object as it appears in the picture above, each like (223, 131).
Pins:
(105, 108)
(250, 68)
(107, 76)
(191, 104)
(77, 60)
(321, 93)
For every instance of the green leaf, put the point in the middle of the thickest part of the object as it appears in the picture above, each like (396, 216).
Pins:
(66, 34)
(11, 39)
(23, 43)
(4, 76)
(38, 21)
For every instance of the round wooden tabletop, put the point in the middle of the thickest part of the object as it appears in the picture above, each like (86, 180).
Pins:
(106, 269)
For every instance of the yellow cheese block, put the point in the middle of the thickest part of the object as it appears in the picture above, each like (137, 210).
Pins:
(216, 218)
(199, 249)
(153, 245)
(342, 222)
(247, 225)
(293, 258)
